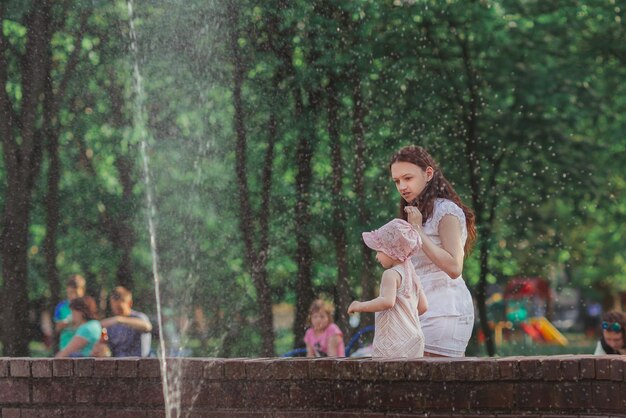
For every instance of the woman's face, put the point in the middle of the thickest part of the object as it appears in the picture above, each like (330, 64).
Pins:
(410, 179)
(615, 340)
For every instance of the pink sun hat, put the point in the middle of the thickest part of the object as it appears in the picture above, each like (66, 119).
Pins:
(397, 238)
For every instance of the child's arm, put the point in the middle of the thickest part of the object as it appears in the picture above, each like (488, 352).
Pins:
(309, 350)
(387, 298)
(422, 302)
(333, 346)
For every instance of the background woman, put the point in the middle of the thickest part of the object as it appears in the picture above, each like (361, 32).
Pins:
(88, 328)
(447, 229)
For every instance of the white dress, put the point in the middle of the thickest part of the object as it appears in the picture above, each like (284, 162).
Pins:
(449, 320)
(397, 330)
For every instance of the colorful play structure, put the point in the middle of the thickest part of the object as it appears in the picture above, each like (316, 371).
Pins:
(523, 306)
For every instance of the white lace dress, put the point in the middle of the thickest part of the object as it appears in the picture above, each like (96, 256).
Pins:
(398, 331)
(448, 323)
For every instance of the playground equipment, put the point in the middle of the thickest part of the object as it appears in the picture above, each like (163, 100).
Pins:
(523, 306)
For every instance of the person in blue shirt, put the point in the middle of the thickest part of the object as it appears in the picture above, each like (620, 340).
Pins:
(128, 330)
(88, 329)
(63, 326)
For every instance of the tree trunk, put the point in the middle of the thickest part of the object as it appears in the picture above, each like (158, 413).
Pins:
(342, 287)
(304, 255)
(255, 261)
(22, 150)
(368, 283)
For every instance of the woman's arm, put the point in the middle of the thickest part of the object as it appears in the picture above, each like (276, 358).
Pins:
(387, 298)
(448, 257)
(422, 302)
(75, 344)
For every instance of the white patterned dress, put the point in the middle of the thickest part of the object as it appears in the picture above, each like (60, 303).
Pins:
(448, 323)
(397, 330)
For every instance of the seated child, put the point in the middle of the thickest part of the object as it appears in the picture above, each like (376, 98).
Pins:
(398, 332)
(323, 338)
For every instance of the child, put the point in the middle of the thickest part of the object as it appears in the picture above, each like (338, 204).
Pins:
(323, 338)
(397, 327)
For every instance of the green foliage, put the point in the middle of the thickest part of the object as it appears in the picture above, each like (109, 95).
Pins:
(525, 99)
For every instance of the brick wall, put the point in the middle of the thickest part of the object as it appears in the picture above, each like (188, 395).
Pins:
(573, 386)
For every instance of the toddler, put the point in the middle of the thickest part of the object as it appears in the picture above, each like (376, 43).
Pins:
(398, 332)
(323, 338)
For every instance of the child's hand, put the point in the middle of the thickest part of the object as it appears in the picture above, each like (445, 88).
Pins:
(354, 307)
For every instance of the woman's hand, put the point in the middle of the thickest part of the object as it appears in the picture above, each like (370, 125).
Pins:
(414, 216)
(354, 307)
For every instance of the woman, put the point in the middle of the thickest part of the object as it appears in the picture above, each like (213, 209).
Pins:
(447, 229)
(613, 334)
(88, 328)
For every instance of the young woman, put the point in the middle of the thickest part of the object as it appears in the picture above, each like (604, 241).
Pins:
(446, 228)
(88, 328)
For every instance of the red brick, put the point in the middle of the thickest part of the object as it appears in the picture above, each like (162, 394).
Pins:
(465, 369)
(149, 367)
(587, 368)
(117, 392)
(369, 370)
(441, 369)
(104, 367)
(151, 392)
(486, 370)
(603, 368)
(214, 369)
(125, 413)
(530, 368)
(570, 369)
(41, 368)
(494, 396)
(192, 368)
(508, 369)
(260, 395)
(617, 370)
(606, 395)
(571, 396)
(417, 370)
(86, 391)
(53, 391)
(14, 391)
(42, 413)
(393, 369)
(62, 367)
(259, 369)
(82, 412)
(4, 367)
(83, 367)
(347, 369)
(290, 368)
(235, 369)
(303, 394)
(10, 413)
(533, 395)
(322, 368)
(128, 367)
(210, 394)
(551, 369)
(19, 367)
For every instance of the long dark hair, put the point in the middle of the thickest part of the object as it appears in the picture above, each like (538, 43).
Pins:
(437, 187)
(85, 305)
